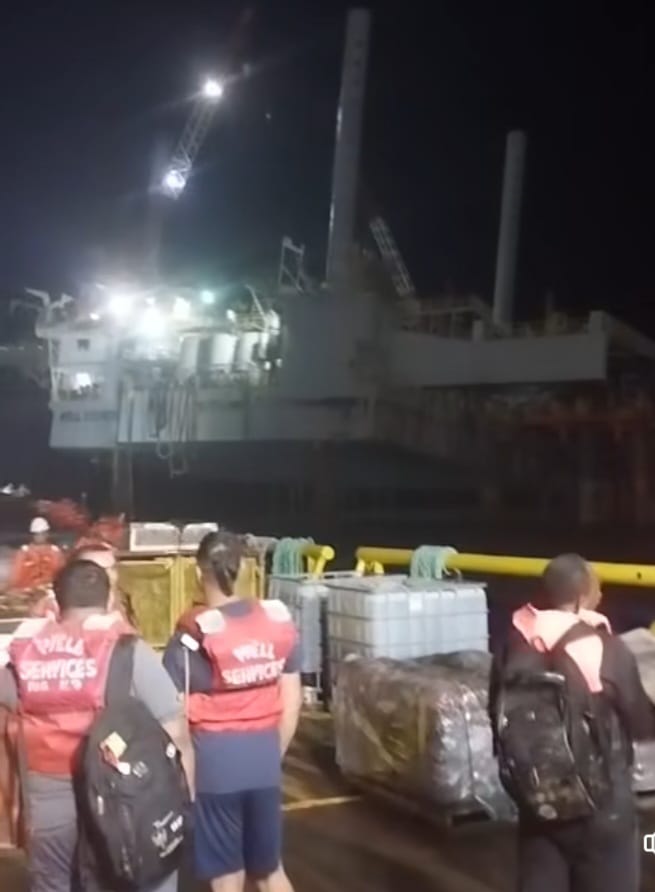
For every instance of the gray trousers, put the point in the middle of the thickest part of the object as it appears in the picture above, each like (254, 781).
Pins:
(53, 842)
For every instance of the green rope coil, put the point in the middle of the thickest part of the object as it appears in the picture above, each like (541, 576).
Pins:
(429, 561)
(288, 557)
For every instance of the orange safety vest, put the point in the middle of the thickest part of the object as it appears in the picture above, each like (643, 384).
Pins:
(248, 654)
(542, 629)
(62, 669)
(35, 566)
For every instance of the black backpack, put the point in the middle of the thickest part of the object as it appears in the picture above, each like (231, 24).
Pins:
(134, 816)
(553, 735)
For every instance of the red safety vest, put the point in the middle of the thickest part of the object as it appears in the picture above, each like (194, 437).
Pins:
(248, 654)
(62, 668)
(542, 629)
(187, 622)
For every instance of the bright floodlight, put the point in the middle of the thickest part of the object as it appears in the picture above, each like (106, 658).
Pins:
(120, 305)
(181, 309)
(174, 181)
(82, 380)
(207, 297)
(212, 89)
(153, 323)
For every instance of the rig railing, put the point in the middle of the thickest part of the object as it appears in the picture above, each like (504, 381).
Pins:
(372, 559)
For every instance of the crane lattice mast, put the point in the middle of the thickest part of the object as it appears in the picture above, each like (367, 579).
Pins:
(192, 138)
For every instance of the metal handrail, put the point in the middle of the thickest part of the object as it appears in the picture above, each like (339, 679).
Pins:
(371, 559)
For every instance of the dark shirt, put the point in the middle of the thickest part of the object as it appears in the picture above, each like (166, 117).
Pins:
(619, 676)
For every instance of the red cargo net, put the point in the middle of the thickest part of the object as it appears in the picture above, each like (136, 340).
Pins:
(105, 531)
(64, 514)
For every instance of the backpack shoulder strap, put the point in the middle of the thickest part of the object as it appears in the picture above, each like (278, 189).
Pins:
(560, 660)
(578, 631)
(121, 670)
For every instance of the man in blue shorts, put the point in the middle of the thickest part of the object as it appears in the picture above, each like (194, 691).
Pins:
(243, 710)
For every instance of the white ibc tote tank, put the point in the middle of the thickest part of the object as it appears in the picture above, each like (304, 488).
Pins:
(221, 352)
(188, 363)
(245, 351)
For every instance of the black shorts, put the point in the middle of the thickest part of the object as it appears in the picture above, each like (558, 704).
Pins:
(238, 831)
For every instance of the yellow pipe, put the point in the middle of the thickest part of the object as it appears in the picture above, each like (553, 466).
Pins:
(317, 557)
(640, 575)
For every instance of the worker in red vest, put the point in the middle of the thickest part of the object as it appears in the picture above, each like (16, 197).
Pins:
(597, 850)
(243, 668)
(36, 564)
(60, 670)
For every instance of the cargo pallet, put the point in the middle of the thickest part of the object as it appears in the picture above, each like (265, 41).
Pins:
(449, 818)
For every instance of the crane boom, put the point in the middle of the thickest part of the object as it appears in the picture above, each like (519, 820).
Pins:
(194, 133)
(201, 116)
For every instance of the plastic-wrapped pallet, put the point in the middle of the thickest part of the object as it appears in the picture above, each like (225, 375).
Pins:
(419, 730)
(403, 618)
(642, 644)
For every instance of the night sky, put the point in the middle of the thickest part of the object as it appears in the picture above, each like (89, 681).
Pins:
(88, 90)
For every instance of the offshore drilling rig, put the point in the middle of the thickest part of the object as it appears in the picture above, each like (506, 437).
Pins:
(353, 393)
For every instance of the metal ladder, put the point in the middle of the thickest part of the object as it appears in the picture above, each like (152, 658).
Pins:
(392, 257)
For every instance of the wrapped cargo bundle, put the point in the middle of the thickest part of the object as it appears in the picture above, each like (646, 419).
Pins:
(419, 730)
(642, 644)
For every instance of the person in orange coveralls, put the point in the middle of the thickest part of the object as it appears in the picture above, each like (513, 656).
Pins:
(36, 564)
(104, 556)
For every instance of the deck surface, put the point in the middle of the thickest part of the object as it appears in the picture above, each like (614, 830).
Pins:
(338, 841)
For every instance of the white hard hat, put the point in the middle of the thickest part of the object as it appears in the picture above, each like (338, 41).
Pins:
(39, 525)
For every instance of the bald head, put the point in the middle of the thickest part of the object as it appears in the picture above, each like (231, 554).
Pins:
(568, 583)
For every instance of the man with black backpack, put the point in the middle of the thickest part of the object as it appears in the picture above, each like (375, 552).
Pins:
(566, 704)
(101, 732)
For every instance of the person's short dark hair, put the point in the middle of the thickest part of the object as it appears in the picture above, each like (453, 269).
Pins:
(219, 558)
(564, 582)
(82, 585)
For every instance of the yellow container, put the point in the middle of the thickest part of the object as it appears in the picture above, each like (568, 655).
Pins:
(10, 823)
(151, 584)
(162, 587)
(248, 584)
